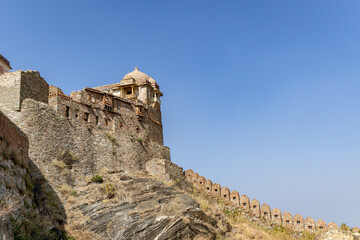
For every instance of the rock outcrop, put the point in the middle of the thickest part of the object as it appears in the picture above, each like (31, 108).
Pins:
(128, 206)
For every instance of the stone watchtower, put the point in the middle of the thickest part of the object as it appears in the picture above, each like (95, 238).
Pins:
(4, 65)
(137, 85)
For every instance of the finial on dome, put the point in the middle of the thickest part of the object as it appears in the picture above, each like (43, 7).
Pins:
(136, 68)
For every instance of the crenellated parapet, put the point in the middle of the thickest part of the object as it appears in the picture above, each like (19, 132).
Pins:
(263, 211)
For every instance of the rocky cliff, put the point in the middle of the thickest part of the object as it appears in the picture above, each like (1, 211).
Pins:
(64, 188)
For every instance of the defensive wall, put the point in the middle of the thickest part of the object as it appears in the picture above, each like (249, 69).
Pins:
(23, 189)
(14, 178)
(90, 130)
(262, 211)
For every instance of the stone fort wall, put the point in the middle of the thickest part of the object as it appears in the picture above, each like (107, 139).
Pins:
(78, 136)
(262, 211)
(14, 177)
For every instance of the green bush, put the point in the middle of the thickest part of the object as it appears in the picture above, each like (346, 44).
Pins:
(73, 193)
(97, 179)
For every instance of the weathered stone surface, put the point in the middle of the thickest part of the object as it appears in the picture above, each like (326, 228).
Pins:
(164, 169)
(266, 212)
(225, 194)
(332, 226)
(216, 190)
(195, 178)
(188, 174)
(201, 181)
(309, 224)
(255, 207)
(287, 220)
(298, 222)
(244, 202)
(140, 209)
(19, 186)
(320, 225)
(235, 198)
(336, 235)
(276, 216)
(17, 86)
(208, 186)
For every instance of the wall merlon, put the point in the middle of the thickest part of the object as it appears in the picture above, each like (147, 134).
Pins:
(266, 212)
(201, 181)
(287, 220)
(309, 224)
(332, 225)
(195, 178)
(255, 207)
(320, 225)
(244, 202)
(235, 198)
(225, 194)
(188, 175)
(298, 222)
(216, 190)
(208, 186)
(276, 216)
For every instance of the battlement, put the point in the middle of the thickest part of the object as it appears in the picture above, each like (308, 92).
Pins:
(254, 207)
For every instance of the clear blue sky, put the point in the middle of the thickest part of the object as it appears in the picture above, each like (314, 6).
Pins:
(260, 96)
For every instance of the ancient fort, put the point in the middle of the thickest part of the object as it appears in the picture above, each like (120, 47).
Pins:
(53, 145)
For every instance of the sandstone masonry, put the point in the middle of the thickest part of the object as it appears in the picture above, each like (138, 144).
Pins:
(115, 126)
(263, 211)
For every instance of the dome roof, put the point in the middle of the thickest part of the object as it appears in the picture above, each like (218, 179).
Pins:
(152, 80)
(137, 75)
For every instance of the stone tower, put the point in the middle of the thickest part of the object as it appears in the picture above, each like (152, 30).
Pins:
(139, 86)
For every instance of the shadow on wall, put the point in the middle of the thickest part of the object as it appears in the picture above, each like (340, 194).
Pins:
(263, 211)
(38, 212)
(48, 203)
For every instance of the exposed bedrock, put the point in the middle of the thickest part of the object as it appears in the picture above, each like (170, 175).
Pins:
(138, 208)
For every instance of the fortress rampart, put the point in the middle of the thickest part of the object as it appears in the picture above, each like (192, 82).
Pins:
(272, 216)
(116, 126)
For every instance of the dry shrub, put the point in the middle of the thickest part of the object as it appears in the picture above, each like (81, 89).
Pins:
(9, 203)
(77, 226)
(59, 164)
(172, 208)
